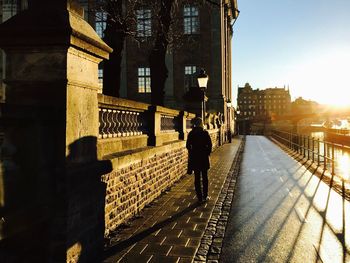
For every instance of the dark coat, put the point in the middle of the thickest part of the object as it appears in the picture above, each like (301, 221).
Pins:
(199, 148)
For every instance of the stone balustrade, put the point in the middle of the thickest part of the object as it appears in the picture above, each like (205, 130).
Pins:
(126, 125)
(121, 118)
(119, 123)
(168, 123)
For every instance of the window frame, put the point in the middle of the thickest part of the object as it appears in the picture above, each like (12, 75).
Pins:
(191, 22)
(189, 76)
(143, 22)
(144, 80)
(100, 23)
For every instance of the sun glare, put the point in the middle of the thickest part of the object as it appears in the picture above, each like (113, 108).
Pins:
(324, 78)
(344, 166)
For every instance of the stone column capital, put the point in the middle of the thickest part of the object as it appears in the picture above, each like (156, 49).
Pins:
(52, 23)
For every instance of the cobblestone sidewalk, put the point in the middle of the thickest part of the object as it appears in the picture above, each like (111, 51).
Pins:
(175, 227)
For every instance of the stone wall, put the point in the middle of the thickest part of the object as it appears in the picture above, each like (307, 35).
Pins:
(215, 138)
(146, 147)
(139, 179)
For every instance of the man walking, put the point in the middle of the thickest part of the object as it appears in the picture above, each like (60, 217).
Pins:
(199, 147)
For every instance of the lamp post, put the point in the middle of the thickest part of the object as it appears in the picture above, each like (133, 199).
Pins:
(202, 79)
(229, 134)
(238, 123)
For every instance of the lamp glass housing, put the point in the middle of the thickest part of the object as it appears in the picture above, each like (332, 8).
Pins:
(202, 79)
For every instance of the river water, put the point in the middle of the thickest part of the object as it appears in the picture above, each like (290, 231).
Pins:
(341, 154)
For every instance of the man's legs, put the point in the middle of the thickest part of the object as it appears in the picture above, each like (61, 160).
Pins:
(197, 184)
(205, 184)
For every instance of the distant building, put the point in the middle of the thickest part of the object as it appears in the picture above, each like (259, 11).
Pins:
(260, 104)
(302, 106)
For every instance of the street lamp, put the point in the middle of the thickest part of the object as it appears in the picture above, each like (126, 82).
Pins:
(237, 118)
(228, 103)
(202, 79)
(229, 134)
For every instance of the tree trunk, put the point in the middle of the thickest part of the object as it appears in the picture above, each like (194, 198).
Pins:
(112, 67)
(115, 38)
(159, 71)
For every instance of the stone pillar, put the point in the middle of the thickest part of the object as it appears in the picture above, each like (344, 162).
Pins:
(154, 128)
(51, 196)
(182, 125)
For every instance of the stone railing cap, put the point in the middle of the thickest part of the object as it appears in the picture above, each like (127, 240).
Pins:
(55, 26)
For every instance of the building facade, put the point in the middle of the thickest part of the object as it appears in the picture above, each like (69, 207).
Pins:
(205, 31)
(8, 8)
(203, 40)
(261, 104)
(302, 106)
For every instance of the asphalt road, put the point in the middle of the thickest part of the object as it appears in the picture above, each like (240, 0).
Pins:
(283, 213)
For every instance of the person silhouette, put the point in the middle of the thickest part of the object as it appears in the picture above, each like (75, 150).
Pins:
(199, 147)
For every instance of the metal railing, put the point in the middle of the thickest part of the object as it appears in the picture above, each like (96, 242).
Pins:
(316, 150)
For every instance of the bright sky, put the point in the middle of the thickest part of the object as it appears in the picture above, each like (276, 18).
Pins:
(301, 43)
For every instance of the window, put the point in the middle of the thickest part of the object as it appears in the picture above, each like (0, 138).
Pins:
(190, 78)
(144, 23)
(191, 20)
(100, 24)
(9, 9)
(100, 76)
(144, 80)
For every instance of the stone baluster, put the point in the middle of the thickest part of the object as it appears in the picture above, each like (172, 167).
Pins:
(115, 123)
(119, 122)
(100, 127)
(123, 124)
(139, 123)
(133, 123)
(129, 121)
(110, 123)
(105, 123)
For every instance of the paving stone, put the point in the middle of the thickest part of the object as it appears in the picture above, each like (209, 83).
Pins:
(177, 241)
(192, 233)
(152, 239)
(186, 260)
(215, 250)
(200, 258)
(156, 249)
(163, 259)
(183, 251)
(135, 258)
(194, 242)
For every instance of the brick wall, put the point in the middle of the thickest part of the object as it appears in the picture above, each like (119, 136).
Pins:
(146, 175)
(139, 178)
